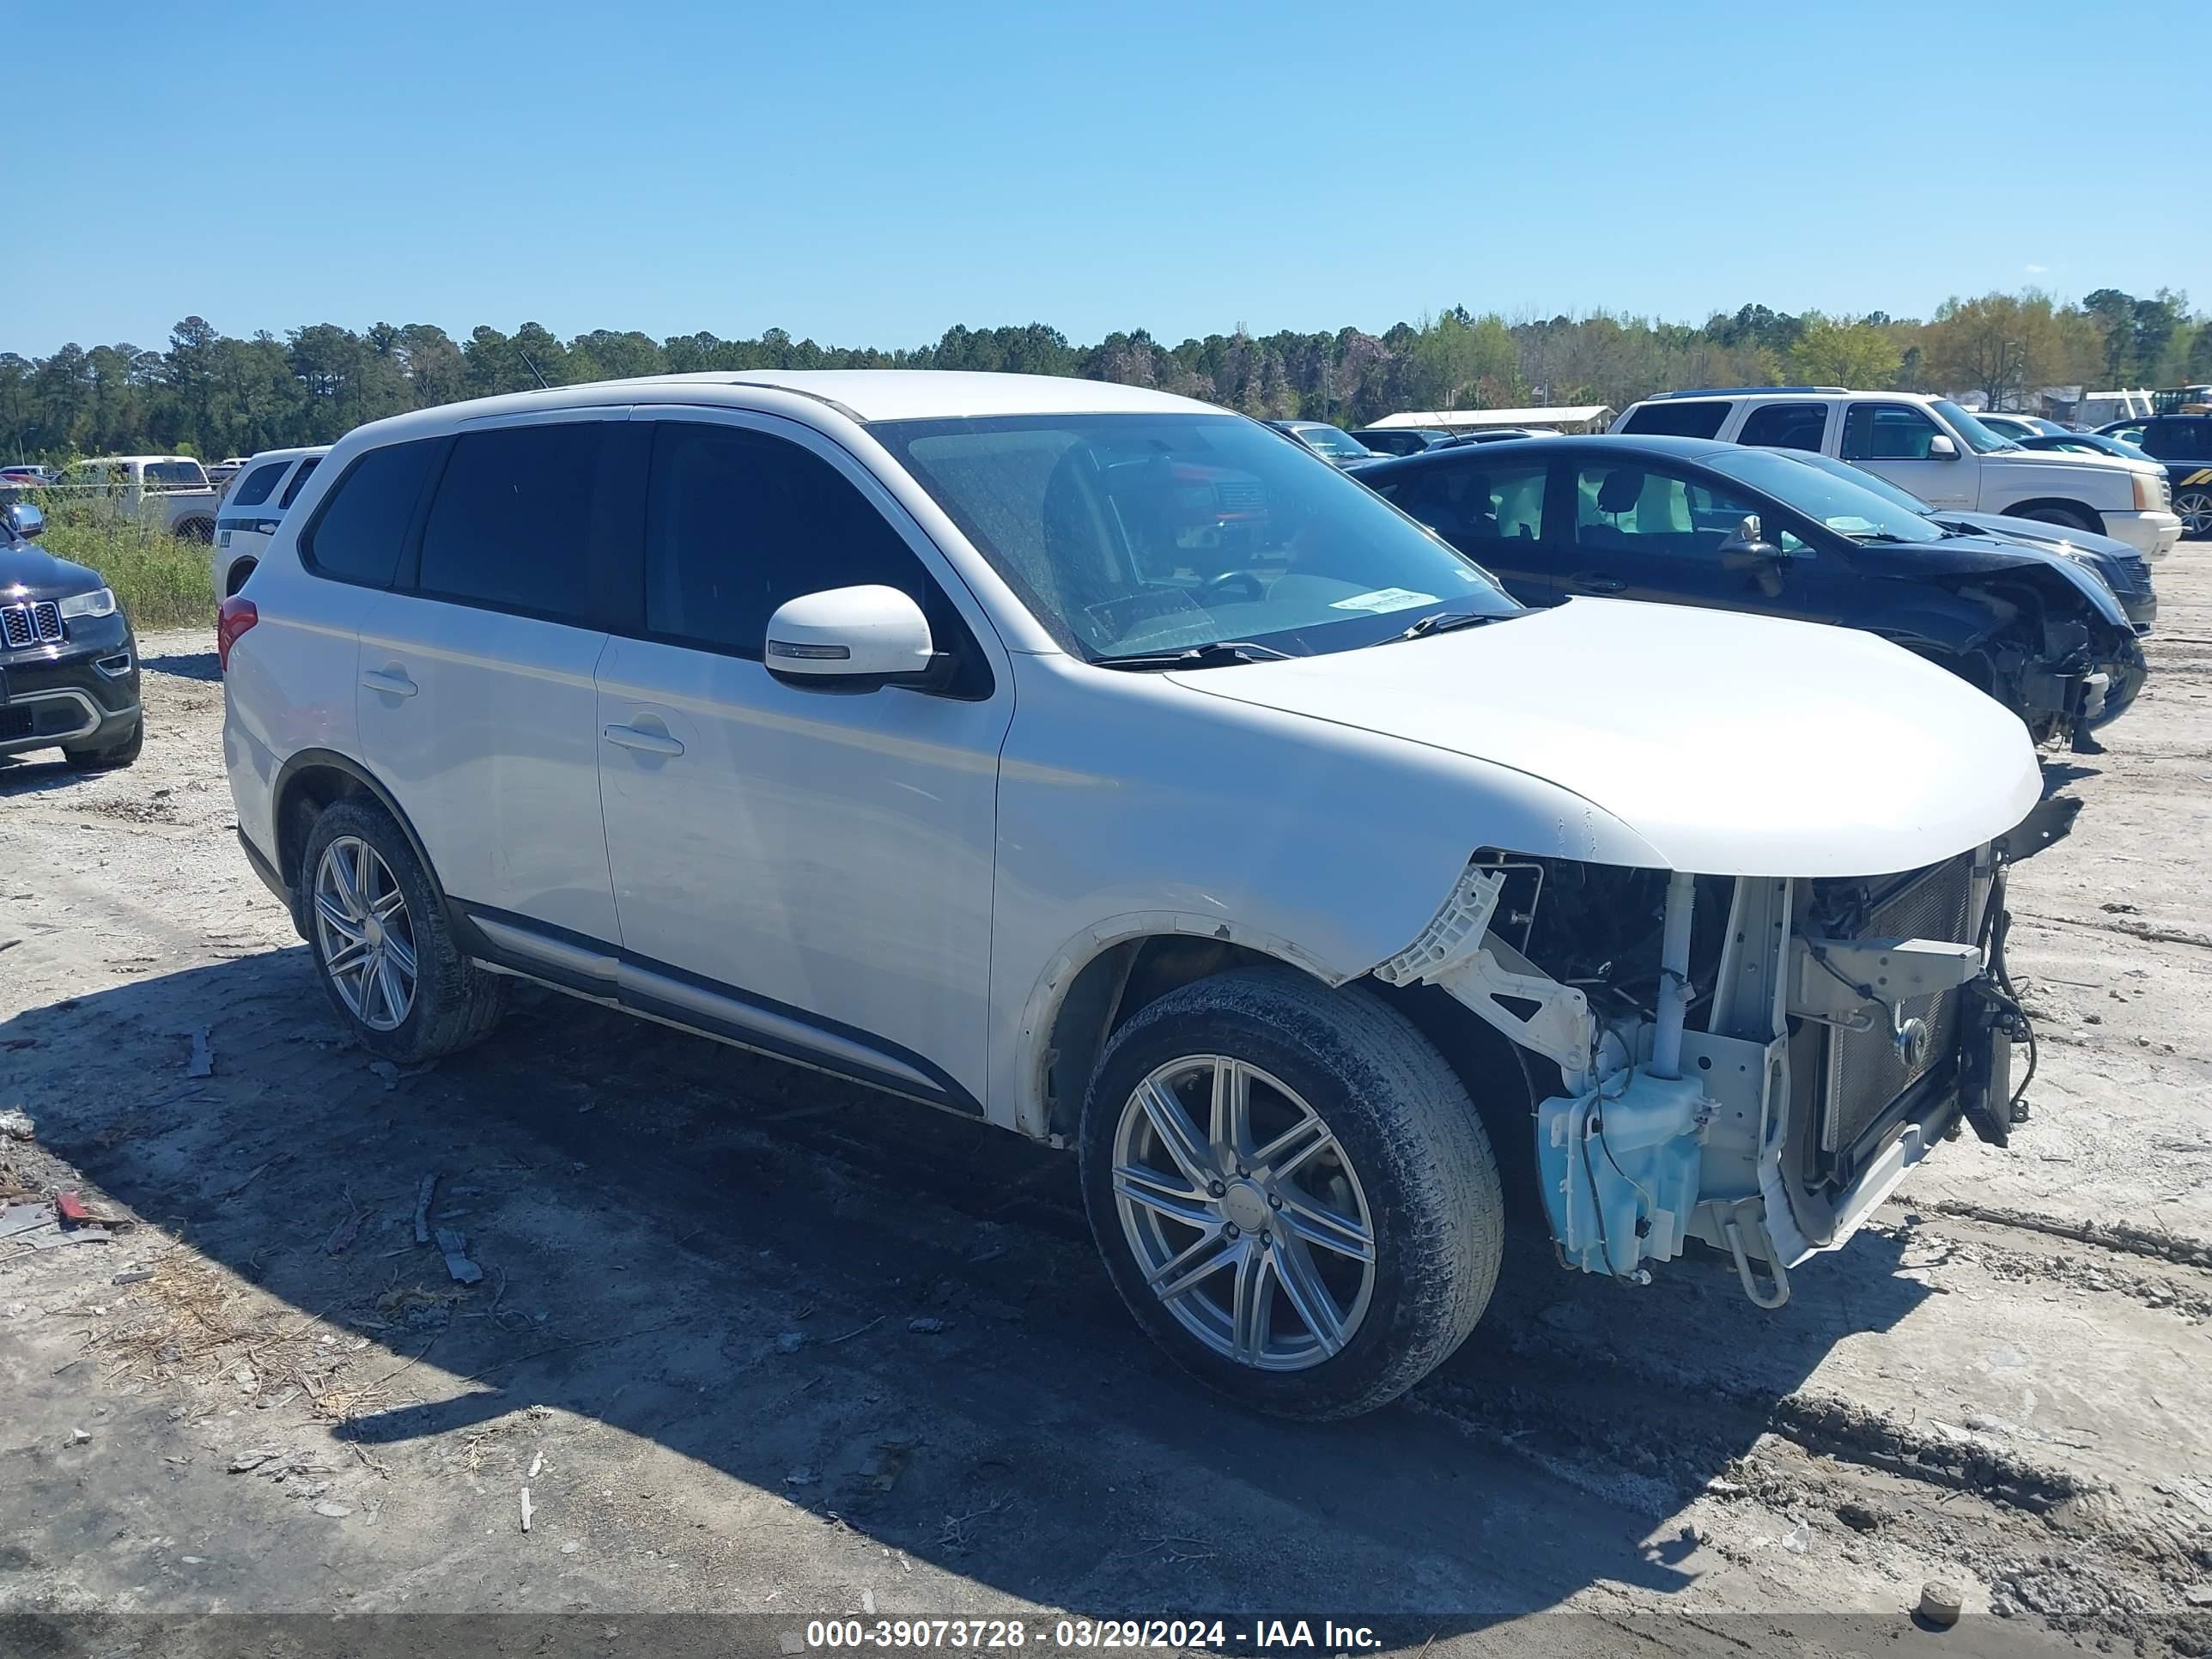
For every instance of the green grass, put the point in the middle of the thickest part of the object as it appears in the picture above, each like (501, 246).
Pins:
(162, 581)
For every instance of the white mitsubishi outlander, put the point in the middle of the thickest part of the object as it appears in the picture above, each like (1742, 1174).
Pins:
(1095, 763)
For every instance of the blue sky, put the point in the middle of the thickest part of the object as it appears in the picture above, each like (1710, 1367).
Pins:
(872, 174)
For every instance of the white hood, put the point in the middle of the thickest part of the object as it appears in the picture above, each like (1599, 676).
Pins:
(1733, 745)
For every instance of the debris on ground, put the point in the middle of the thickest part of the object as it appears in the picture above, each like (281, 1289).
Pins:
(202, 1063)
(1940, 1602)
(525, 1509)
(78, 1437)
(345, 1232)
(335, 1510)
(71, 1208)
(16, 1124)
(455, 1247)
(791, 1341)
(252, 1459)
(386, 1070)
(132, 1276)
(423, 1193)
(926, 1325)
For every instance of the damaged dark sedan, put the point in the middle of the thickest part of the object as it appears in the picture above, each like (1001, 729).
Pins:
(1685, 521)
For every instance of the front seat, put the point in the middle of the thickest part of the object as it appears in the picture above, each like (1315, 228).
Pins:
(1622, 489)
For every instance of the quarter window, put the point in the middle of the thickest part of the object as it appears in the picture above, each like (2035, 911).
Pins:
(510, 528)
(357, 535)
(1665, 418)
(1886, 431)
(259, 482)
(1786, 425)
(737, 522)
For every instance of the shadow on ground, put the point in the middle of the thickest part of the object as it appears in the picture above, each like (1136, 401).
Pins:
(726, 1257)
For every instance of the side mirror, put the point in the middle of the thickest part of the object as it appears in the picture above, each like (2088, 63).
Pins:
(1942, 448)
(1748, 546)
(25, 519)
(851, 639)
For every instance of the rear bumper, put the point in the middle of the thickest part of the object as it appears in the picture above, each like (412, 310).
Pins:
(2154, 535)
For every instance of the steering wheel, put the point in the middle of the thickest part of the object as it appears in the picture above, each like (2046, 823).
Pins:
(1255, 586)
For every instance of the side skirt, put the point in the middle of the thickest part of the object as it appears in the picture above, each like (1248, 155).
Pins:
(614, 978)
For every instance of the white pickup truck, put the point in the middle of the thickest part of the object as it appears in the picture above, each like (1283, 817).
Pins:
(171, 492)
(1932, 448)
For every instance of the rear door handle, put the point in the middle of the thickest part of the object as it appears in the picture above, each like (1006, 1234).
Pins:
(1600, 584)
(389, 680)
(652, 742)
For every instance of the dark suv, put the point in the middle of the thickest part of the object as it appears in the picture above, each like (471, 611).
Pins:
(2183, 444)
(69, 666)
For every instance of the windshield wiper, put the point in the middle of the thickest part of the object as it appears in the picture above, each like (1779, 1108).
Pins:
(1212, 654)
(1443, 622)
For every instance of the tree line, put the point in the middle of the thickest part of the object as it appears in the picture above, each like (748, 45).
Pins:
(212, 394)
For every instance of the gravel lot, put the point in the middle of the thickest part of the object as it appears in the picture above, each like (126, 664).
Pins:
(755, 1342)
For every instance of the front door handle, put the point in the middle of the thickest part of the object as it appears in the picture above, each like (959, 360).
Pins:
(1600, 584)
(390, 681)
(632, 737)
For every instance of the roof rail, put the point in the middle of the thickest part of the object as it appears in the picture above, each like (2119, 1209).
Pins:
(1746, 391)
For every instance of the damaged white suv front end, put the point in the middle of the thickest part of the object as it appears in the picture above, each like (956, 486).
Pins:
(1843, 1026)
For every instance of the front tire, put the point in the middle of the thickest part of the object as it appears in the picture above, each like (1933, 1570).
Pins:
(384, 949)
(2195, 509)
(113, 757)
(2066, 516)
(1293, 1193)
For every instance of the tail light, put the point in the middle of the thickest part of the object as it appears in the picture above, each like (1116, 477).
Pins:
(238, 614)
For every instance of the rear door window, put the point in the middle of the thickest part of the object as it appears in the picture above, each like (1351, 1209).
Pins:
(1786, 425)
(359, 534)
(257, 483)
(1886, 431)
(2178, 440)
(510, 528)
(1665, 418)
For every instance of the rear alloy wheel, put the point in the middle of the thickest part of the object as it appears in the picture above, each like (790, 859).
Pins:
(1291, 1190)
(2195, 509)
(384, 949)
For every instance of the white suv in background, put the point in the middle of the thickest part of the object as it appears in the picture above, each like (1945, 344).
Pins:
(1092, 762)
(261, 492)
(1933, 448)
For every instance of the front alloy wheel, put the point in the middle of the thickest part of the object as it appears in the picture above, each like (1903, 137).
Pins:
(2195, 509)
(1293, 1192)
(1244, 1212)
(365, 933)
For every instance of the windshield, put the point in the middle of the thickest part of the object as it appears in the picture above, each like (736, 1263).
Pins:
(1980, 438)
(1131, 534)
(1328, 440)
(1839, 498)
(1865, 480)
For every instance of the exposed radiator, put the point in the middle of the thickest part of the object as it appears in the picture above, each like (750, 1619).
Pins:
(1864, 1072)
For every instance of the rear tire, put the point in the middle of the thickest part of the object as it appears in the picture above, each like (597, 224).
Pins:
(200, 531)
(2195, 509)
(384, 949)
(1354, 1136)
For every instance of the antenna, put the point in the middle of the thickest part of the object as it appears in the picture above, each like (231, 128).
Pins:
(533, 367)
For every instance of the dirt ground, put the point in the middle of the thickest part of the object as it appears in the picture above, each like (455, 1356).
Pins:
(755, 1343)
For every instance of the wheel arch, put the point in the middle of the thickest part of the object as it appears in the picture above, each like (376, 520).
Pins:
(308, 783)
(2084, 516)
(1106, 974)
(234, 578)
(1101, 980)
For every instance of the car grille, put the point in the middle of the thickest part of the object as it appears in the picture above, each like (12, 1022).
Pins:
(15, 722)
(1865, 1073)
(30, 624)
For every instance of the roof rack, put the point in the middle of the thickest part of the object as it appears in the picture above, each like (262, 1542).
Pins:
(1746, 391)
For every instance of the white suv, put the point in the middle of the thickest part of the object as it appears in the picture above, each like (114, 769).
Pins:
(261, 493)
(1933, 448)
(1092, 761)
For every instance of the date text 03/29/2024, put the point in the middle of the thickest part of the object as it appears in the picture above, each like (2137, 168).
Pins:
(1259, 1636)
